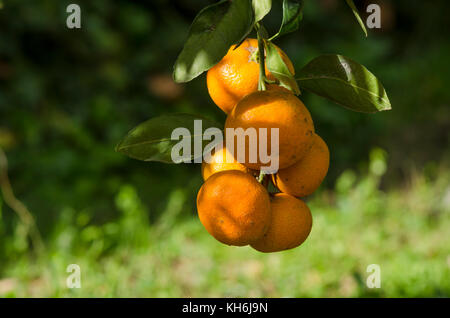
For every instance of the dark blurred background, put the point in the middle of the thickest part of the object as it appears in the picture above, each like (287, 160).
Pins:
(67, 96)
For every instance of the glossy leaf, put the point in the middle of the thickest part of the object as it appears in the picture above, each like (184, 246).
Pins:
(345, 82)
(292, 15)
(151, 140)
(261, 8)
(213, 31)
(279, 69)
(351, 4)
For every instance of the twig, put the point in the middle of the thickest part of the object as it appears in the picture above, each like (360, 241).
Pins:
(17, 206)
(261, 53)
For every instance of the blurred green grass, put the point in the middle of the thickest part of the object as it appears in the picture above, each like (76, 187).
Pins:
(405, 231)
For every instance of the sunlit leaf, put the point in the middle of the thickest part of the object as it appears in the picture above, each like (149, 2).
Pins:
(292, 15)
(279, 69)
(261, 8)
(351, 4)
(345, 82)
(213, 31)
(151, 140)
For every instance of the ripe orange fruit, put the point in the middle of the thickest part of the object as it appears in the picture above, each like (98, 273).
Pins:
(219, 163)
(234, 207)
(274, 109)
(237, 74)
(305, 176)
(290, 226)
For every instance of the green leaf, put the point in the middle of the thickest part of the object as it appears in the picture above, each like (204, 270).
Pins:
(351, 4)
(151, 140)
(261, 8)
(213, 31)
(279, 69)
(292, 15)
(345, 82)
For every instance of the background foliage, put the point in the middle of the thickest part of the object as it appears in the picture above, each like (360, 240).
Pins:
(68, 96)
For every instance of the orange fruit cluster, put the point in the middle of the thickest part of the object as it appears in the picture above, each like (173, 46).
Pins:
(232, 205)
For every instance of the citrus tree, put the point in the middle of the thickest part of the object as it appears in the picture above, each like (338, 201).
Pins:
(254, 82)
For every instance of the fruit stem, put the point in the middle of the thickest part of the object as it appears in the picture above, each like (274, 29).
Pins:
(261, 53)
(261, 176)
